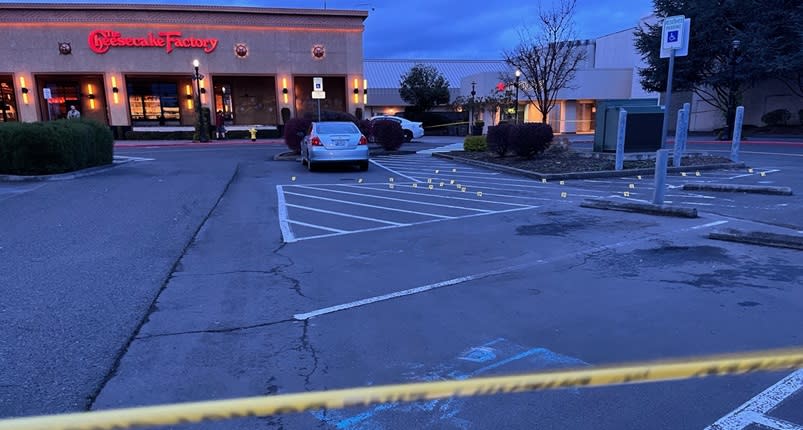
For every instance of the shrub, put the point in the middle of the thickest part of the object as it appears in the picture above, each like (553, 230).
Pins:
(388, 134)
(475, 144)
(800, 116)
(366, 127)
(776, 117)
(499, 139)
(294, 131)
(54, 146)
(529, 140)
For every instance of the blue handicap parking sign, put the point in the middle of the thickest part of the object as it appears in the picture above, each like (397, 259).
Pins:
(672, 36)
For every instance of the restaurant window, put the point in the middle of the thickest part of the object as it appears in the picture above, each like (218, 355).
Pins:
(63, 94)
(8, 104)
(153, 103)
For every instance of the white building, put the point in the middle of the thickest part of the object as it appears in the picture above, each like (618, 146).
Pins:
(610, 71)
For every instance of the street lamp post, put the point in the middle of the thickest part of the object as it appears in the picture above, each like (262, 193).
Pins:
(732, 90)
(516, 108)
(201, 130)
(471, 110)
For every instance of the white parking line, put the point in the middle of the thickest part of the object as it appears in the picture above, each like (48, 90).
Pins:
(417, 202)
(368, 206)
(710, 224)
(387, 190)
(393, 171)
(414, 223)
(430, 173)
(755, 410)
(381, 221)
(319, 227)
(287, 232)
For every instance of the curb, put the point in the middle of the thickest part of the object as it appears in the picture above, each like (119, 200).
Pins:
(63, 176)
(735, 188)
(287, 156)
(586, 175)
(759, 238)
(647, 208)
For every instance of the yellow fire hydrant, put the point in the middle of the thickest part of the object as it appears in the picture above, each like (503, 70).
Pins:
(253, 132)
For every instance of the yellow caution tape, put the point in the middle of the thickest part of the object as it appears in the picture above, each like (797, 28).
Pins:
(185, 413)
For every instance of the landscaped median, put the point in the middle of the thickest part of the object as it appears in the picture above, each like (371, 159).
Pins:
(54, 147)
(567, 164)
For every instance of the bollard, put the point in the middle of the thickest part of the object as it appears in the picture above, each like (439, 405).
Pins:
(620, 140)
(687, 108)
(680, 138)
(737, 134)
(661, 157)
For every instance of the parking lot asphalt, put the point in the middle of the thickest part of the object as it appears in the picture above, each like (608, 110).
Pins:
(282, 280)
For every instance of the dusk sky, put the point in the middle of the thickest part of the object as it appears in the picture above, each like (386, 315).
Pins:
(443, 29)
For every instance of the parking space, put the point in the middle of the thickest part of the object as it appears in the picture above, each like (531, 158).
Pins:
(776, 408)
(409, 190)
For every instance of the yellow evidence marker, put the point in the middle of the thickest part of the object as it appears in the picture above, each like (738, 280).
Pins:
(763, 173)
(479, 193)
(442, 183)
(391, 186)
(639, 177)
(454, 170)
(564, 194)
(626, 193)
(390, 179)
(682, 173)
(437, 171)
(359, 181)
(451, 182)
(632, 186)
(431, 186)
(543, 181)
(429, 180)
(749, 170)
(415, 184)
(293, 178)
(563, 182)
(697, 173)
(463, 189)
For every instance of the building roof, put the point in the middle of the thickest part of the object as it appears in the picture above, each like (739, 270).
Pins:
(388, 73)
(183, 8)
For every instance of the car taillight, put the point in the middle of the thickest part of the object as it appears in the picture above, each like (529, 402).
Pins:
(315, 141)
(363, 140)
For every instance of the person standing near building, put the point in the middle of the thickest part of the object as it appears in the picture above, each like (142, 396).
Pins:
(73, 113)
(219, 123)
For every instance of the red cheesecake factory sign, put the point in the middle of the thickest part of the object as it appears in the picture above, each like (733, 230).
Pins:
(100, 41)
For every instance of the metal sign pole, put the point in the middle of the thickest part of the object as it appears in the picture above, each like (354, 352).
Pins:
(668, 106)
(319, 110)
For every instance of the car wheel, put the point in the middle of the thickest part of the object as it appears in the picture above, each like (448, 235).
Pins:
(408, 135)
(363, 165)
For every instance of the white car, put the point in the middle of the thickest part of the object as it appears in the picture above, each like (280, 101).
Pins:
(412, 130)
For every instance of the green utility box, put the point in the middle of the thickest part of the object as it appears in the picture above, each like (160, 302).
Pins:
(644, 122)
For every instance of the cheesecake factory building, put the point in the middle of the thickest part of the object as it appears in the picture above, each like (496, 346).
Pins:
(134, 65)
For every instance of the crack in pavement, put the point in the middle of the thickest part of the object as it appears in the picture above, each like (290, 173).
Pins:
(90, 401)
(231, 272)
(217, 330)
(306, 345)
(279, 271)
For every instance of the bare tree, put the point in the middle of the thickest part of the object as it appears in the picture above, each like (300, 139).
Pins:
(547, 56)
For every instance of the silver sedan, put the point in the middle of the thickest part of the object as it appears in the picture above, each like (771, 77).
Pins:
(334, 142)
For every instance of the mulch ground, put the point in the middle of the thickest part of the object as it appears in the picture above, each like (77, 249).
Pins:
(572, 162)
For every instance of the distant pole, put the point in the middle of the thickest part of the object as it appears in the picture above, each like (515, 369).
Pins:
(620, 140)
(518, 76)
(680, 138)
(665, 127)
(661, 157)
(737, 134)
